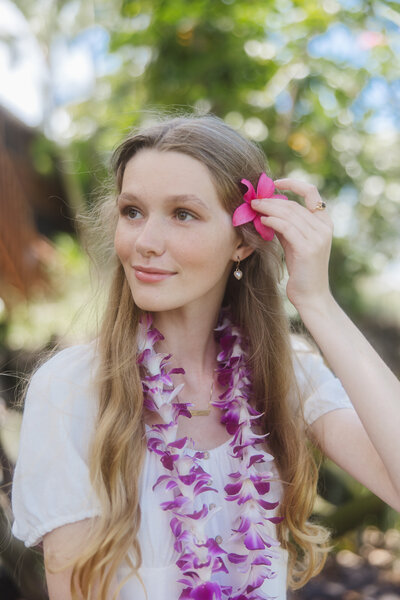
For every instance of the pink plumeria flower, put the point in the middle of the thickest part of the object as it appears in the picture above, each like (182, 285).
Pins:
(245, 213)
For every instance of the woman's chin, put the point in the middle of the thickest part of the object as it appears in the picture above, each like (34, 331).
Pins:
(153, 304)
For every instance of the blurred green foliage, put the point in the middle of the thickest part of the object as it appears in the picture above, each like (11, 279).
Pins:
(250, 63)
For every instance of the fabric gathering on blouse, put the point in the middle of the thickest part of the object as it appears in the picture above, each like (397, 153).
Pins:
(51, 485)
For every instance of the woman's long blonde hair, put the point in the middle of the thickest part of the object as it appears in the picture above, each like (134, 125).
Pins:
(118, 446)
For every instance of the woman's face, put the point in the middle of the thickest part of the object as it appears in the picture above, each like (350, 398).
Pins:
(174, 239)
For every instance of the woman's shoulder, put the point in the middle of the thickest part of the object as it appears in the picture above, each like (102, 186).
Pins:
(320, 390)
(66, 378)
(77, 362)
(51, 484)
(307, 360)
(310, 368)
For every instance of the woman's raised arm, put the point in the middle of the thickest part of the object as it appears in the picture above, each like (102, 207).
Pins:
(368, 446)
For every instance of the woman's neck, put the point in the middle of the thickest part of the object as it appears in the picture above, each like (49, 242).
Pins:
(189, 337)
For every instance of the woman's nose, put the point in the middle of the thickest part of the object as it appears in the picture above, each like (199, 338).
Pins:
(151, 238)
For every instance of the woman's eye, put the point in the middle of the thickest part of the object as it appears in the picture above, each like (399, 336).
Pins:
(131, 212)
(181, 215)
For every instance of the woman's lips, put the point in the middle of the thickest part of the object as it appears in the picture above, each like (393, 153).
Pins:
(151, 276)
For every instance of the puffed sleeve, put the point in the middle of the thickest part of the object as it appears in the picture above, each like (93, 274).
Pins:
(320, 391)
(51, 485)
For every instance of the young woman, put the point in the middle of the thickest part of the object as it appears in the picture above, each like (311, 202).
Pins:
(169, 458)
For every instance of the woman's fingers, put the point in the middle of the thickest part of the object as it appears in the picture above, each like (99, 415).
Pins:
(305, 234)
(310, 221)
(308, 191)
(291, 233)
(295, 216)
(304, 229)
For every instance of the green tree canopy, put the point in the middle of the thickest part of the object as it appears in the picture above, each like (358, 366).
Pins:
(316, 84)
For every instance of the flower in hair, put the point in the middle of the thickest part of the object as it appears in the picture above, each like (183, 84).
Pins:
(245, 213)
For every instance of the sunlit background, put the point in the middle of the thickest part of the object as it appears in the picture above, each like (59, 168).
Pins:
(316, 84)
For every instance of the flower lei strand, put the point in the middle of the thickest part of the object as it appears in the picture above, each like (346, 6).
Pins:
(185, 478)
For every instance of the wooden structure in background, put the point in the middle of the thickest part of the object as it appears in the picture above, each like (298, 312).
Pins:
(32, 207)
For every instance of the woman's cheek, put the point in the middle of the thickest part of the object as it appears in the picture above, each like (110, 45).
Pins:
(121, 243)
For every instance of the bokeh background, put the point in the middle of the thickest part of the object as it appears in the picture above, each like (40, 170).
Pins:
(317, 84)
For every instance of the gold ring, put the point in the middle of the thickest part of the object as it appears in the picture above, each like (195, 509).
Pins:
(321, 205)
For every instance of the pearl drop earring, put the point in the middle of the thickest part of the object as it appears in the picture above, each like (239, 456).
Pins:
(238, 273)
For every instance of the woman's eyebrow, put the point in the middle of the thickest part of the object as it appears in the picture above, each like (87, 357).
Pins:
(173, 199)
(127, 196)
(184, 198)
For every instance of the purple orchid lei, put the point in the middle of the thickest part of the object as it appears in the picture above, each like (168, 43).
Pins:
(199, 556)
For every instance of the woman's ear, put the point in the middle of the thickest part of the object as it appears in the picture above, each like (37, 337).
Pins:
(242, 251)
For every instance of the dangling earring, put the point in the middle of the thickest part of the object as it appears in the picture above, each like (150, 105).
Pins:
(237, 272)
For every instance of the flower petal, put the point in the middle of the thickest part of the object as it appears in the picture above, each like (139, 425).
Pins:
(233, 488)
(253, 541)
(256, 458)
(265, 186)
(267, 233)
(188, 479)
(178, 443)
(237, 558)
(276, 519)
(264, 503)
(206, 591)
(262, 487)
(250, 194)
(243, 214)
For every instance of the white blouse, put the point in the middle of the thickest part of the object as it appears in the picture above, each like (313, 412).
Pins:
(51, 484)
